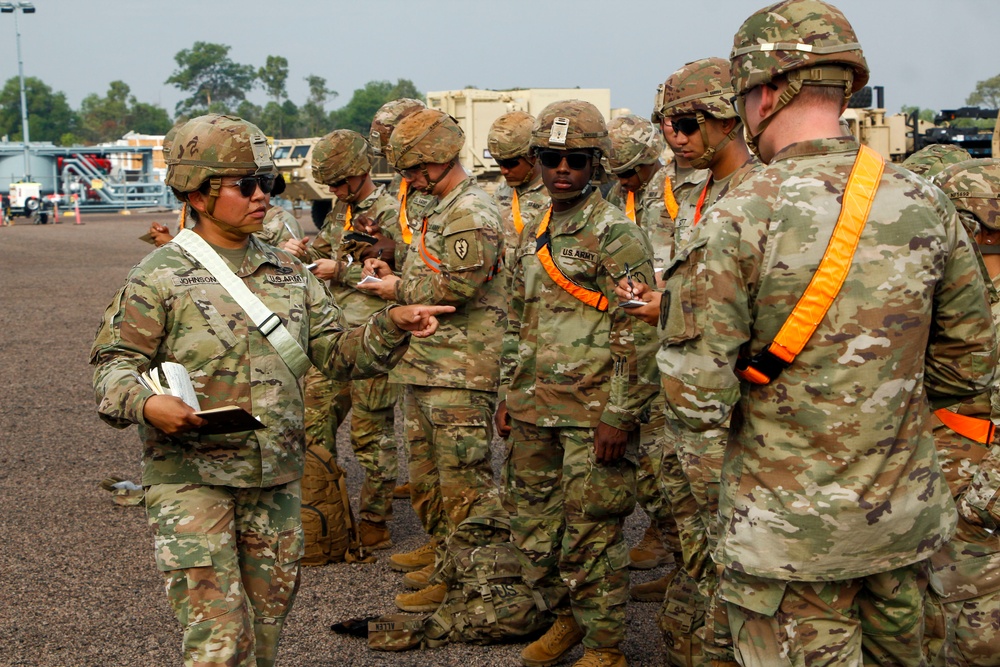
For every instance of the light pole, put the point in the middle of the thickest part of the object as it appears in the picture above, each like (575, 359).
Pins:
(11, 7)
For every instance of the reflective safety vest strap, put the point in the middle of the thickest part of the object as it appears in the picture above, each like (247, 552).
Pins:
(432, 262)
(515, 208)
(973, 428)
(828, 278)
(543, 251)
(669, 201)
(404, 224)
(347, 219)
(630, 206)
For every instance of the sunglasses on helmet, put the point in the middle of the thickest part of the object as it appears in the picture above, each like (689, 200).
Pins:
(686, 125)
(576, 161)
(249, 184)
(508, 163)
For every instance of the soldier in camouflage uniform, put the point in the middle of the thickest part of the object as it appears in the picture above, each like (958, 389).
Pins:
(832, 498)
(576, 377)
(636, 145)
(279, 224)
(965, 581)
(224, 509)
(930, 160)
(451, 380)
(521, 197)
(342, 160)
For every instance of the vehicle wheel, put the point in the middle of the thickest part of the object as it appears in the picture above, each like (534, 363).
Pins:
(31, 204)
(320, 208)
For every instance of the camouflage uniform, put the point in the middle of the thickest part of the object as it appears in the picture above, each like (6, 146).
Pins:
(965, 577)
(451, 378)
(225, 508)
(279, 226)
(566, 366)
(372, 400)
(930, 160)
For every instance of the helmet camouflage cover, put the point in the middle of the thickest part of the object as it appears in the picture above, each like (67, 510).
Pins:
(974, 188)
(569, 125)
(634, 141)
(426, 136)
(168, 138)
(510, 135)
(702, 85)
(339, 155)
(930, 160)
(807, 35)
(213, 146)
(387, 117)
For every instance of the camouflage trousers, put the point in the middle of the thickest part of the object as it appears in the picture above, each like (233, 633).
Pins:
(566, 515)
(649, 492)
(963, 610)
(230, 561)
(373, 437)
(872, 620)
(448, 435)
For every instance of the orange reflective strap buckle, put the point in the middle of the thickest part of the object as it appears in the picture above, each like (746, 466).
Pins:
(762, 368)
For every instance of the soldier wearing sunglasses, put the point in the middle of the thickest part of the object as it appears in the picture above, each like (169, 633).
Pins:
(576, 376)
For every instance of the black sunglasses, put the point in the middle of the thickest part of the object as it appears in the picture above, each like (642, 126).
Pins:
(687, 125)
(412, 170)
(249, 184)
(576, 161)
(339, 184)
(508, 163)
(626, 174)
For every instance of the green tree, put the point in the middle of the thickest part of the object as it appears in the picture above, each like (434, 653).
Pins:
(111, 117)
(357, 114)
(313, 120)
(49, 114)
(923, 114)
(986, 94)
(274, 76)
(215, 82)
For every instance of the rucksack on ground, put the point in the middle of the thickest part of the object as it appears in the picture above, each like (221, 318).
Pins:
(331, 534)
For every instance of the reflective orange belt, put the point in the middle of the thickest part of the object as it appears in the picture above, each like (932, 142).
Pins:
(434, 264)
(668, 198)
(543, 251)
(404, 224)
(812, 307)
(973, 428)
(630, 206)
(515, 208)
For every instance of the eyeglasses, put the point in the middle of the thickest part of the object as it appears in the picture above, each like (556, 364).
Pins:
(339, 184)
(576, 161)
(626, 174)
(249, 184)
(686, 125)
(412, 171)
(508, 163)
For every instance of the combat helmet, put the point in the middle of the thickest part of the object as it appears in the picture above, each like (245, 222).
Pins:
(572, 125)
(387, 117)
(930, 160)
(634, 141)
(339, 155)
(168, 138)
(702, 88)
(974, 188)
(212, 146)
(808, 41)
(510, 135)
(426, 136)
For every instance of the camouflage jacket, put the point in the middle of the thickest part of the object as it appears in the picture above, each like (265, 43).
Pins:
(172, 309)
(454, 261)
(565, 363)
(532, 199)
(277, 223)
(688, 208)
(383, 209)
(830, 472)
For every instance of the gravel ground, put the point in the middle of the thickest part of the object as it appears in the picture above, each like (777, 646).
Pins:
(78, 585)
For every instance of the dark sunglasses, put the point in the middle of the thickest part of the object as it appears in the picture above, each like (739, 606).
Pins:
(249, 184)
(509, 163)
(411, 171)
(687, 125)
(626, 174)
(575, 161)
(339, 184)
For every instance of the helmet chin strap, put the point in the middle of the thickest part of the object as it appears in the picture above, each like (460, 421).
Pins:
(705, 159)
(571, 194)
(432, 183)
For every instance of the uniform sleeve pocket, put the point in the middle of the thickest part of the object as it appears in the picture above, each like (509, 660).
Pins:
(182, 552)
(683, 297)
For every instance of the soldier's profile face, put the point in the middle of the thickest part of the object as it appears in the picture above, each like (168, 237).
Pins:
(231, 206)
(688, 145)
(518, 174)
(346, 189)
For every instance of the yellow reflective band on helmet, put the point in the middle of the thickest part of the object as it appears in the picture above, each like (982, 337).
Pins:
(669, 201)
(590, 297)
(814, 303)
(404, 224)
(630, 206)
(515, 208)
(973, 428)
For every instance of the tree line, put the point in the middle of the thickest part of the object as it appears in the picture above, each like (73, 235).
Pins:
(213, 83)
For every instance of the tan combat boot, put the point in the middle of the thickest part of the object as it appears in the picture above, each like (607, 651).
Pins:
(374, 535)
(414, 560)
(649, 553)
(653, 591)
(428, 599)
(553, 645)
(602, 657)
(401, 491)
(419, 578)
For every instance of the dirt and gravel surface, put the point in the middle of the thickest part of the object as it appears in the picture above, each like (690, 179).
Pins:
(78, 584)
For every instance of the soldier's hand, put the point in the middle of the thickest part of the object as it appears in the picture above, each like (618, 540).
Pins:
(501, 420)
(384, 290)
(383, 248)
(376, 267)
(326, 269)
(419, 320)
(609, 443)
(296, 246)
(160, 234)
(365, 225)
(170, 414)
(649, 313)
